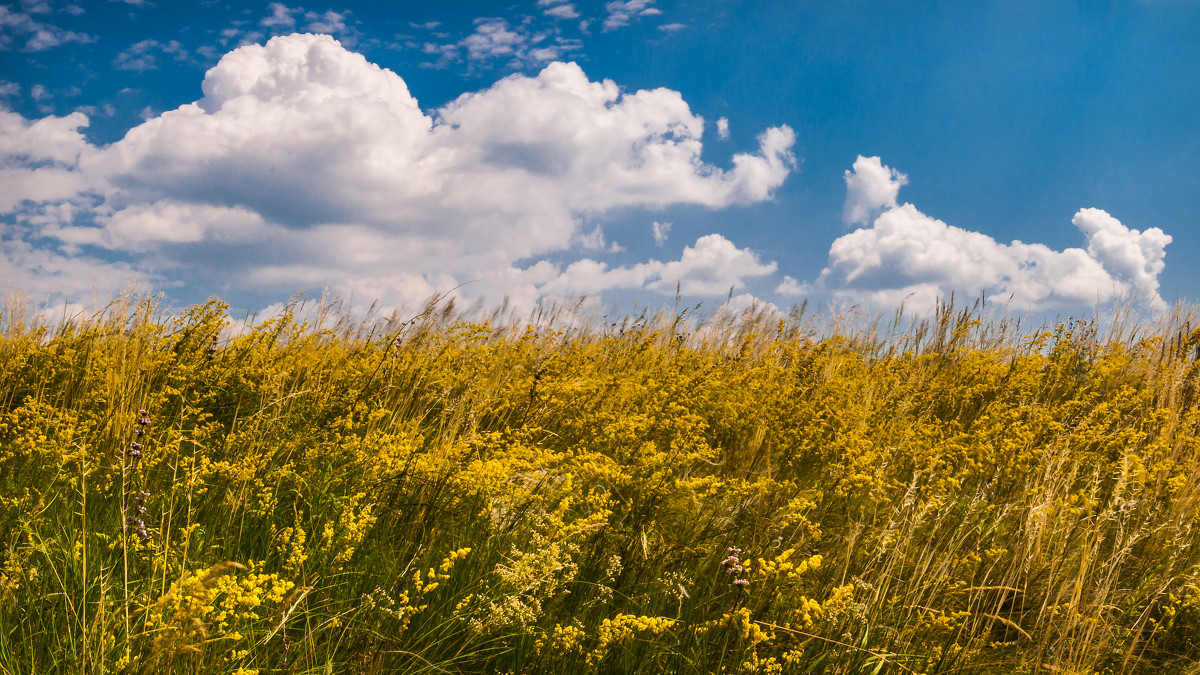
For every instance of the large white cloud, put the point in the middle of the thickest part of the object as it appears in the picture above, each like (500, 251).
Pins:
(305, 163)
(905, 256)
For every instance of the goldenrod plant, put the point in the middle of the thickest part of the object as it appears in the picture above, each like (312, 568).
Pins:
(672, 493)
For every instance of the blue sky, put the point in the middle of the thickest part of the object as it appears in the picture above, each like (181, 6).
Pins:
(1042, 153)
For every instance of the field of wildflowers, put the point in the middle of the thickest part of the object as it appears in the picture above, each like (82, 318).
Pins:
(666, 494)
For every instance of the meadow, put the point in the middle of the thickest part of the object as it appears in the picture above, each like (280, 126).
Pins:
(670, 493)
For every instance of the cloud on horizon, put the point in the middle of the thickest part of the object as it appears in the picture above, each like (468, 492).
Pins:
(903, 256)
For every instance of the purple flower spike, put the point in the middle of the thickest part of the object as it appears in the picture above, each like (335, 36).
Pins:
(143, 420)
(143, 533)
(135, 454)
(135, 445)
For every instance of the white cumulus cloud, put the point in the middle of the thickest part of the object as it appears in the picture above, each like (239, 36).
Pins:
(906, 256)
(305, 164)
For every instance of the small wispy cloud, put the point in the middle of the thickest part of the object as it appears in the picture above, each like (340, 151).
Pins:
(106, 110)
(38, 36)
(620, 12)
(493, 38)
(281, 16)
(560, 11)
(142, 56)
(331, 22)
(497, 39)
(595, 241)
(283, 19)
(660, 231)
(723, 128)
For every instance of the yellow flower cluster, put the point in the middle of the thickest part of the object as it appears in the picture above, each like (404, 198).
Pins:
(353, 524)
(436, 575)
(289, 545)
(208, 606)
(742, 622)
(782, 566)
(622, 628)
(567, 640)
